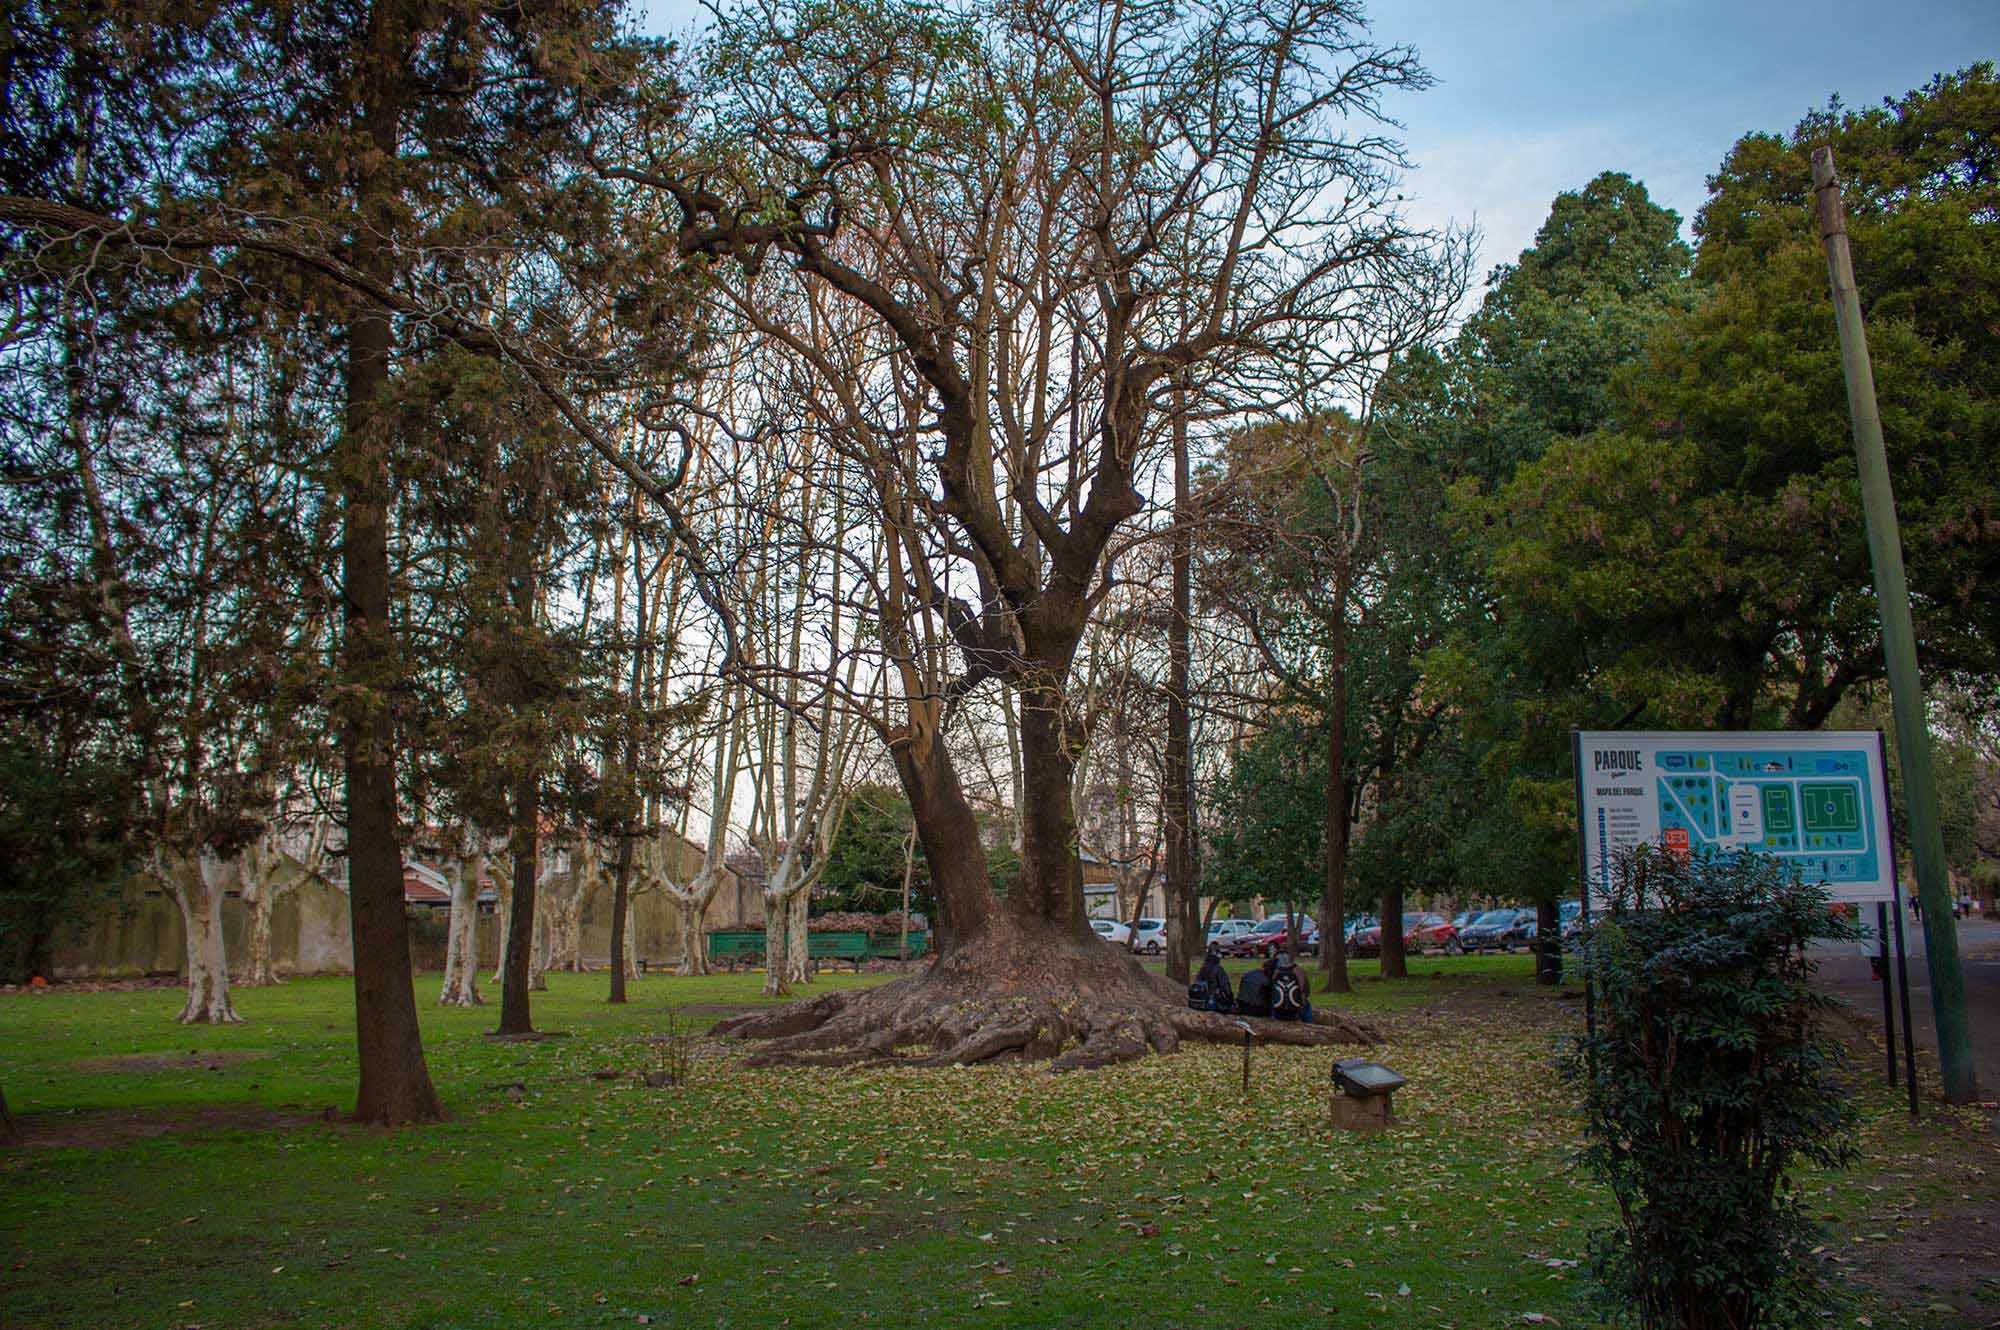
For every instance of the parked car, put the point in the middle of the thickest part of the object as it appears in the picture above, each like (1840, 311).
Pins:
(1268, 938)
(1355, 923)
(1421, 929)
(1463, 919)
(1429, 932)
(1221, 930)
(1571, 915)
(1151, 937)
(1110, 930)
(1496, 930)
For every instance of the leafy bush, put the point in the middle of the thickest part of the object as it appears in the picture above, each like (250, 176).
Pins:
(1707, 1081)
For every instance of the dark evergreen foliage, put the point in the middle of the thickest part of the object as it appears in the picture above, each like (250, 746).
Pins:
(1708, 1082)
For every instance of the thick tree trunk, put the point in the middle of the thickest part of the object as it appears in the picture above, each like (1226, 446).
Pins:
(200, 902)
(1184, 936)
(775, 968)
(395, 1082)
(621, 903)
(1050, 890)
(9, 1131)
(1395, 963)
(461, 961)
(1548, 943)
(694, 942)
(1333, 899)
(521, 969)
(538, 949)
(798, 961)
(950, 837)
(565, 926)
(503, 911)
(259, 893)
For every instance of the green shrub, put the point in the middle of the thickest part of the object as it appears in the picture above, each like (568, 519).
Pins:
(1707, 1080)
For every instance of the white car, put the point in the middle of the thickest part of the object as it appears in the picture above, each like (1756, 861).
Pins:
(1110, 930)
(1151, 937)
(1220, 930)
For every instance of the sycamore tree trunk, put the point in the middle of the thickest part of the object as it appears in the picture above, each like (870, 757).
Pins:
(503, 911)
(787, 960)
(265, 872)
(774, 943)
(461, 960)
(798, 960)
(200, 902)
(694, 942)
(259, 898)
(562, 900)
(538, 950)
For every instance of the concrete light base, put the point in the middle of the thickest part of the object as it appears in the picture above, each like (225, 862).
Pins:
(1370, 1114)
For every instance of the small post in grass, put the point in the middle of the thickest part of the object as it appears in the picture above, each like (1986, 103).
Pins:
(1247, 1033)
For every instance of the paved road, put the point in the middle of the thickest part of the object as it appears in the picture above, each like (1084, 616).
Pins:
(1845, 973)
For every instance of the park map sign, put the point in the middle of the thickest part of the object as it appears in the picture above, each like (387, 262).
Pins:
(1816, 800)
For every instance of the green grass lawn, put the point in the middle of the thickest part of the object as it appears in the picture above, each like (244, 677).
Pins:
(1151, 1195)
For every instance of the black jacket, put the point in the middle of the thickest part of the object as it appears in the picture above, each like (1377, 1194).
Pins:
(1254, 997)
(1217, 980)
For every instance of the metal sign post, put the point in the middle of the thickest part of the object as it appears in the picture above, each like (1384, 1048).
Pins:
(1888, 977)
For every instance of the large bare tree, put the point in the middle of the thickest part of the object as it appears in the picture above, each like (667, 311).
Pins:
(1040, 221)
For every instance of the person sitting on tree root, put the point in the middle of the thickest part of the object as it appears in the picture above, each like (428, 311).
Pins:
(1210, 990)
(1253, 996)
(1289, 990)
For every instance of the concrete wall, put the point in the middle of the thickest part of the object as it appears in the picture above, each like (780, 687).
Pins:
(139, 932)
(656, 923)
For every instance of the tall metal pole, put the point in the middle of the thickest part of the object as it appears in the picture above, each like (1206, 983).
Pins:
(1892, 596)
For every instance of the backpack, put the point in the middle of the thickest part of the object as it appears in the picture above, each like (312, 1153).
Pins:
(1199, 998)
(1287, 998)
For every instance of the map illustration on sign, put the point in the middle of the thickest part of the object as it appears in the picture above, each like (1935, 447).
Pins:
(1815, 800)
(1812, 809)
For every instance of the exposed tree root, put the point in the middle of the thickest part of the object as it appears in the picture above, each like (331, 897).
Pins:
(1100, 1011)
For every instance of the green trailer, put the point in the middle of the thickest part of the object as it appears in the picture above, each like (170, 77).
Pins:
(884, 946)
(733, 947)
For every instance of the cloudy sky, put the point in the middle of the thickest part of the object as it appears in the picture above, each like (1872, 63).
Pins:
(1538, 96)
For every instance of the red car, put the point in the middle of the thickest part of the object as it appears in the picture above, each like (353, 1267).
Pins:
(1268, 938)
(1422, 931)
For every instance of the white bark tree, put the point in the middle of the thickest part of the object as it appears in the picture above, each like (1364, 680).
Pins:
(806, 736)
(567, 878)
(283, 857)
(469, 852)
(691, 897)
(195, 881)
